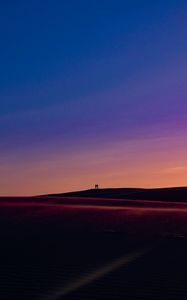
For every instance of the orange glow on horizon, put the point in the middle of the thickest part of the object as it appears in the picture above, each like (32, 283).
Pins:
(160, 162)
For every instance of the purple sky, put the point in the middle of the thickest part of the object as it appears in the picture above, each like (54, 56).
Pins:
(92, 94)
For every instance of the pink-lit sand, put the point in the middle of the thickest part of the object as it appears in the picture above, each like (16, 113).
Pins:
(130, 216)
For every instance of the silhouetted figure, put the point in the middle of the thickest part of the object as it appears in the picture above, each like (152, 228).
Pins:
(96, 186)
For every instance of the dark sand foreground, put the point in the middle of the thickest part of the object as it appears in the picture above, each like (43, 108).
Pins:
(85, 248)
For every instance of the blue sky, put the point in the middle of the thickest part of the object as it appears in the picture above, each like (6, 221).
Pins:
(80, 75)
(84, 46)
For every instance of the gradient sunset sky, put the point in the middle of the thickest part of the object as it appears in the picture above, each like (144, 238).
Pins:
(92, 92)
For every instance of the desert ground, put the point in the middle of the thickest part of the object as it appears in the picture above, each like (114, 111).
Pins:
(92, 248)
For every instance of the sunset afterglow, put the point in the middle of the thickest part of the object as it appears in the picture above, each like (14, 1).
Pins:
(93, 94)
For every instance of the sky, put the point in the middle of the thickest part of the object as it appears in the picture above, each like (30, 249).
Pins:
(92, 92)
